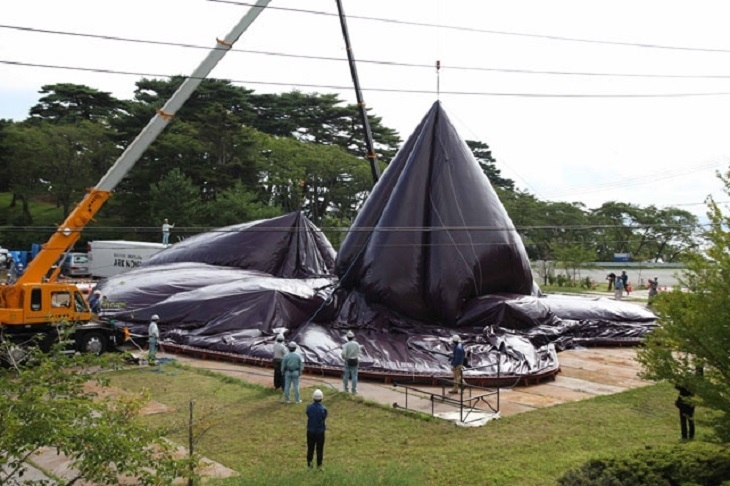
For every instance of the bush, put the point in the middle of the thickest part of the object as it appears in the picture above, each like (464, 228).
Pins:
(687, 464)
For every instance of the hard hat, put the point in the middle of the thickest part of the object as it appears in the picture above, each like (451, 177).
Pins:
(317, 395)
(292, 345)
(455, 338)
(280, 337)
(97, 292)
(155, 317)
(350, 334)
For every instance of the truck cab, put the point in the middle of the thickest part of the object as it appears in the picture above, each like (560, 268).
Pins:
(44, 305)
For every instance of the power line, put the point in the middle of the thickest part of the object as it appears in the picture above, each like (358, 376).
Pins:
(488, 31)
(379, 90)
(444, 65)
(360, 229)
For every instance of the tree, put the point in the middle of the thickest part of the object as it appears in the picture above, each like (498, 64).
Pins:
(176, 198)
(545, 226)
(4, 156)
(49, 403)
(237, 205)
(25, 146)
(321, 119)
(483, 154)
(75, 158)
(691, 345)
(321, 180)
(73, 103)
(571, 258)
(664, 234)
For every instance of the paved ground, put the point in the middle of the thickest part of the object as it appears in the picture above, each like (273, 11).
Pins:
(585, 373)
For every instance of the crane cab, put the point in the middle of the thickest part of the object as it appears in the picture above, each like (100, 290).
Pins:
(43, 303)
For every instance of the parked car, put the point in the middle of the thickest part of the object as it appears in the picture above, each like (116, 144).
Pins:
(75, 265)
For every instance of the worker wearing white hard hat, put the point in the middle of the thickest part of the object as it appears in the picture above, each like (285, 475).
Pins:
(278, 355)
(292, 366)
(350, 353)
(316, 417)
(457, 363)
(95, 301)
(153, 334)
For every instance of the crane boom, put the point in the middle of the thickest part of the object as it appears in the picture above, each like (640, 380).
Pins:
(69, 232)
(370, 145)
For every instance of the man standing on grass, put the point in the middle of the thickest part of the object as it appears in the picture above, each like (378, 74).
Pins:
(279, 353)
(350, 352)
(292, 366)
(457, 363)
(316, 416)
(153, 334)
(686, 412)
(618, 289)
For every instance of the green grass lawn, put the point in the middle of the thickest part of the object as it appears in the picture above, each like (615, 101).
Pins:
(367, 443)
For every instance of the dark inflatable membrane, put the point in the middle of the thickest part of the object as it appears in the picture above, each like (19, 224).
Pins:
(288, 246)
(433, 234)
(432, 253)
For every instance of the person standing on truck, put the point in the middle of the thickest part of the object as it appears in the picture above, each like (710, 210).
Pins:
(166, 227)
(153, 334)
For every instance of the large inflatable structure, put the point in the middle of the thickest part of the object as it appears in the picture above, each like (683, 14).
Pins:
(432, 253)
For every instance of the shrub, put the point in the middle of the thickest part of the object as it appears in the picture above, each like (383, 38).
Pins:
(687, 464)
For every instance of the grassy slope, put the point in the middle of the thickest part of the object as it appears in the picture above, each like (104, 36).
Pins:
(44, 214)
(370, 444)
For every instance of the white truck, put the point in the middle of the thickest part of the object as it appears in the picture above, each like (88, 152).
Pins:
(111, 257)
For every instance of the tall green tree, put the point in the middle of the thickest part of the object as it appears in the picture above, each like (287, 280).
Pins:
(545, 225)
(320, 180)
(572, 257)
(322, 119)
(75, 158)
(236, 205)
(690, 348)
(235, 100)
(26, 146)
(4, 156)
(73, 103)
(176, 198)
(665, 234)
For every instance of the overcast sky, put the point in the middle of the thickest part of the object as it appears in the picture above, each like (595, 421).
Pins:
(640, 111)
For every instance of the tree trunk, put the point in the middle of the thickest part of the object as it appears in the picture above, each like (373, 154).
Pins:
(27, 218)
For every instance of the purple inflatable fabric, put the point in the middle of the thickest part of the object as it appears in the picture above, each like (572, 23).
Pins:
(288, 246)
(432, 253)
(433, 234)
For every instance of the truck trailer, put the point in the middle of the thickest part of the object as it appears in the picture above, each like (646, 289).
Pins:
(111, 257)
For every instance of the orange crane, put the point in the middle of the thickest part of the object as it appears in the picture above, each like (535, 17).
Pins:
(32, 306)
